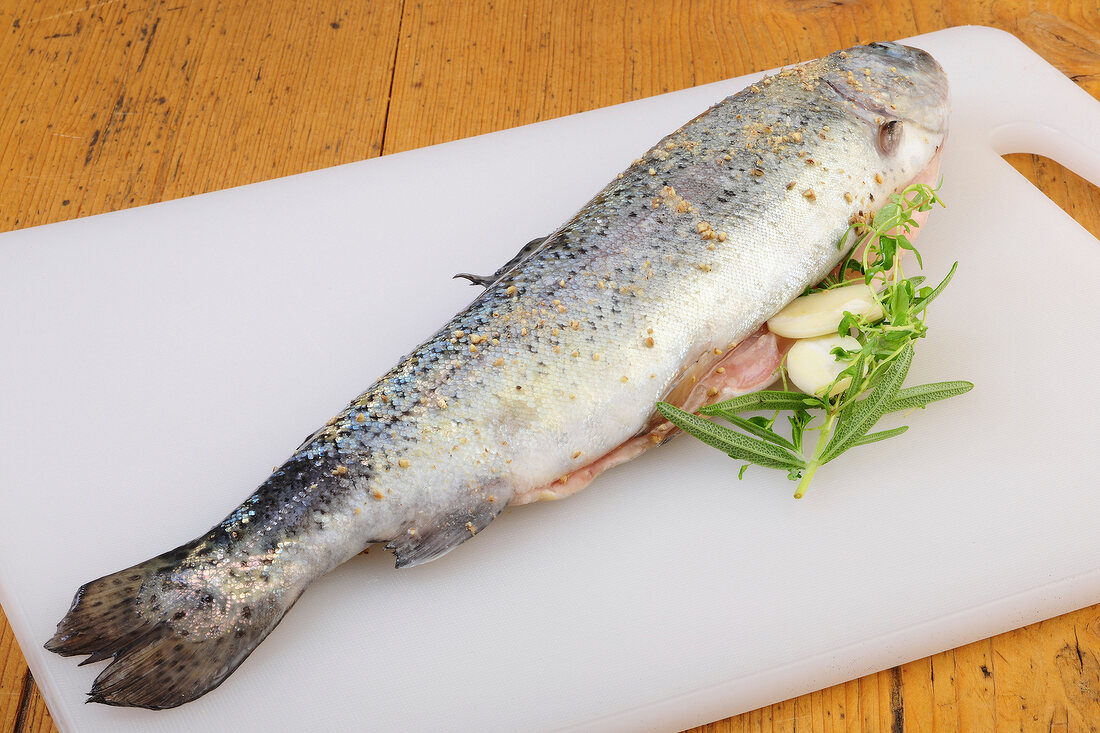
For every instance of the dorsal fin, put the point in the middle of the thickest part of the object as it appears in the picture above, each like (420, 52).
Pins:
(487, 280)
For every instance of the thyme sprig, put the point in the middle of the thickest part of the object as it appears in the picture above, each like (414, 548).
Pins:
(842, 416)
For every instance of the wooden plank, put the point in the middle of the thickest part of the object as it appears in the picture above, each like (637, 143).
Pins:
(35, 717)
(1047, 675)
(868, 711)
(851, 712)
(916, 687)
(974, 687)
(945, 709)
(13, 677)
(120, 103)
(116, 105)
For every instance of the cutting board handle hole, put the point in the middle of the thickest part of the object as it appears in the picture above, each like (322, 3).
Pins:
(1075, 195)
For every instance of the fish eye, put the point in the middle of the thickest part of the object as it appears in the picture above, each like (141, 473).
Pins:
(889, 136)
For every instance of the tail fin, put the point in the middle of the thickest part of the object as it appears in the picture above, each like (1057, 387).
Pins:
(171, 640)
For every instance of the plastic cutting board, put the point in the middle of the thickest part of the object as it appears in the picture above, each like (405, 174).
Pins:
(157, 362)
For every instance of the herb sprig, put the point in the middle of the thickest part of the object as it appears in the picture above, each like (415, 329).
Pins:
(842, 416)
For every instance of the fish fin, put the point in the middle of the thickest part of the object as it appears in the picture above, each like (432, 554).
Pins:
(426, 540)
(482, 280)
(158, 661)
(487, 280)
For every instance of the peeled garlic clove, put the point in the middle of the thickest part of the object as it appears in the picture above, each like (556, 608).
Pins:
(812, 367)
(817, 314)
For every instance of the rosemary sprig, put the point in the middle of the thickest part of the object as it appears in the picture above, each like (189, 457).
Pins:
(842, 418)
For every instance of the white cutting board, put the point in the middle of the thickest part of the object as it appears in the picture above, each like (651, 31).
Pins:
(157, 362)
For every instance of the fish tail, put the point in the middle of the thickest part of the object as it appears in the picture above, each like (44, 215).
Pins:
(171, 640)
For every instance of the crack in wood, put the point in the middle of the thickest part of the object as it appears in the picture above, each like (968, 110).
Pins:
(897, 702)
(24, 703)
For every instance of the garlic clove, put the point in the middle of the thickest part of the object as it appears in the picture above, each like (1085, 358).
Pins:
(817, 314)
(812, 367)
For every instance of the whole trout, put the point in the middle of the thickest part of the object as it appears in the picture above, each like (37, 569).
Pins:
(656, 289)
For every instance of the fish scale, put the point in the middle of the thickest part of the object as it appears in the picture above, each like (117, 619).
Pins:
(549, 373)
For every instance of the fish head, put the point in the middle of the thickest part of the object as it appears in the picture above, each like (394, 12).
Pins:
(900, 93)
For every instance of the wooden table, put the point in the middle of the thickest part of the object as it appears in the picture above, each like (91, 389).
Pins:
(116, 103)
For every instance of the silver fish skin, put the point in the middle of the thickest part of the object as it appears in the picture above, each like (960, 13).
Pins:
(548, 373)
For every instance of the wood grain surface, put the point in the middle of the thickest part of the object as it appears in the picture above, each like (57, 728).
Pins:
(118, 103)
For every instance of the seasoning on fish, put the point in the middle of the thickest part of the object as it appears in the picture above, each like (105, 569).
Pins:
(494, 409)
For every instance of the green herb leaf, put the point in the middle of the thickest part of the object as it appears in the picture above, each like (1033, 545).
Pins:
(798, 422)
(922, 303)
(764, 400)
(904, 243)
(867, 411)
(855, 374)
(913, 397)
(752, 426)
(730, 442)
(883, 435)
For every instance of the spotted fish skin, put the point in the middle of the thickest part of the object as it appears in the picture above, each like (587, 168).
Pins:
(554, 366)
